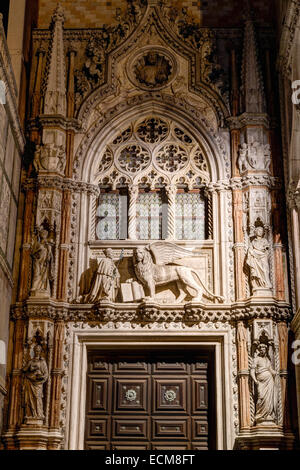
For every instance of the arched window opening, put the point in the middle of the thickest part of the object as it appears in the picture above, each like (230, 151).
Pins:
(152, 179)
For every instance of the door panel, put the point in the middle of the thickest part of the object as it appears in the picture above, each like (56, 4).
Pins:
(159, 400)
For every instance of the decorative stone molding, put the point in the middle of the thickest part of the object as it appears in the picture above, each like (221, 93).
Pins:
(56, 182)
(256, 180)
(145, 312)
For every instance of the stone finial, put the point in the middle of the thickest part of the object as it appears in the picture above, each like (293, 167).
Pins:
(55, 94)
(252, 82)
(58, 14)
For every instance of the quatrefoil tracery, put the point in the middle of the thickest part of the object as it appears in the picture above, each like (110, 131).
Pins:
(153, 152)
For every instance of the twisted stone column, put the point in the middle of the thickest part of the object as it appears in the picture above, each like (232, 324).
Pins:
(133, 195)
(171, 192)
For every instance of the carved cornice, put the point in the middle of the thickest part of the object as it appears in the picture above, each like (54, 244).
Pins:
(248, 119)
(152, 312)
(65, 123)
(256, 180)
(59, 183)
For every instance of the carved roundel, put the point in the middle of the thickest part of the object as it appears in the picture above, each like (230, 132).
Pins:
(171, 157)
(133, 158)
(152, 69)
(152, 130)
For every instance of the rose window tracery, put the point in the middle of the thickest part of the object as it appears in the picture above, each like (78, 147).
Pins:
(171, 158)
(133, 158)
(152, 130)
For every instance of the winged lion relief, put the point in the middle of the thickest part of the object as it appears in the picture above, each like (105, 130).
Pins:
(158, 265)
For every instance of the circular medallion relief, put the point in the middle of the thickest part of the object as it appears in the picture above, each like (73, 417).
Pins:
(170, 395)
(152, 69)
(131, 395)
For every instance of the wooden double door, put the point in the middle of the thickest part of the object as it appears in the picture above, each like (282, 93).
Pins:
(160, 400)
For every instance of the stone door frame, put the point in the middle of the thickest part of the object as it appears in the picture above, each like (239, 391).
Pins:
(83, 339)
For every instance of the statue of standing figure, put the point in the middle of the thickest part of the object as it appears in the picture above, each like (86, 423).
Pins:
(257, 260)
(106, 280)
(35, 375)
(43, 266)
(264, 378)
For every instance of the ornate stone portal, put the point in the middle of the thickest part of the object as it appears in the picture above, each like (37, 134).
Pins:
(158, 196)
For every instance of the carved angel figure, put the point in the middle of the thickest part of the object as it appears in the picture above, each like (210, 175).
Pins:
(264, 378)
(35, 374)
(155, 265)
(43, 265)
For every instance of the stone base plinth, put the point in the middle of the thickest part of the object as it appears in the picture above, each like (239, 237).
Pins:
(265, 438)
(32, 438)
(262, 293)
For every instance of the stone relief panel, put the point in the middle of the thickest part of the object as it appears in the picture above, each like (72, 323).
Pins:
(153, 69)
(254, 156)
(161, 272)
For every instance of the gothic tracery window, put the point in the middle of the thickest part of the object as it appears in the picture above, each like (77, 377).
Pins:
(151, 177)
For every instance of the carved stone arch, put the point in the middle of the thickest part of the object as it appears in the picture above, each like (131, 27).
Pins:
(104, 131)
(171, 42)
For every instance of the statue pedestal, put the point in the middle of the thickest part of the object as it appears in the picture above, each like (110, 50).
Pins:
(39, 294)
(262, 292)
(270, 437)
(34, 422)
(32, 437)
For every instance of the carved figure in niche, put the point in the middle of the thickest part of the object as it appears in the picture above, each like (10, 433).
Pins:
(106, 281)
(35, 375)
(153, 70)
(257, 260)
(266, 388)
(254, 156)
(156, 273)
(43, 265)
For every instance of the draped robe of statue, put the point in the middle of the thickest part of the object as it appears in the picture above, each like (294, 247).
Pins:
(36, 373)
(105, 283)
(42, 266)
(267, 396)
(258, 262)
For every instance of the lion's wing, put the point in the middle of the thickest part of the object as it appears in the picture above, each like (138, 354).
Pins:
(166, 252)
